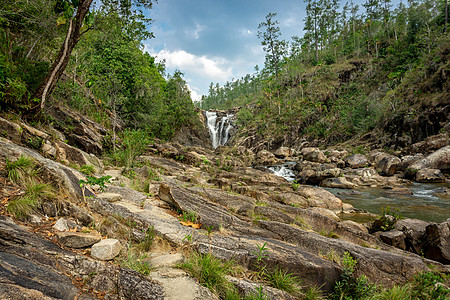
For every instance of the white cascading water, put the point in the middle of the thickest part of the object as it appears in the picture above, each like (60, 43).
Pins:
(218, 129)
(283, 171)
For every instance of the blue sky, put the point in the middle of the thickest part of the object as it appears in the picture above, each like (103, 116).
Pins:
(215, 40)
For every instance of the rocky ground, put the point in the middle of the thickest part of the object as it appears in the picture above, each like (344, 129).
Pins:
(194, 199)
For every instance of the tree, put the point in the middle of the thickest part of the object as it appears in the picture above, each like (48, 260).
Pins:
(76, 14)
(274, 47)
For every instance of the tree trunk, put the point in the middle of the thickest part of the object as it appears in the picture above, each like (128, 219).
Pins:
(61, 61)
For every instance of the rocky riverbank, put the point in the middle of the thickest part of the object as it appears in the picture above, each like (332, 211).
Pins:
(238, 209)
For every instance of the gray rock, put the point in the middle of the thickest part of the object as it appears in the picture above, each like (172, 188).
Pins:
(315, 155)
(430, 175)
(264, 157)
(78, 239)
(283, 152)
(167, 260)
(64, 224)
(394, 238)
(414, 231)
(388, 165)
(437, 244)
(356, 161)
(249, 288)
(133, 285)
(110, 197)
(106, 249)
(338, 182)
(439, 159)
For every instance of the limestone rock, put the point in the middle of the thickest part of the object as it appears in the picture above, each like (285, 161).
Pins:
(110, 197)
(388, 165)
(64, 224)
(414, 231)
(106, 249)
(283, 152)
(337, 155)
(394, 238)
(408, 160)
(315, 155)
(78, 239)
(249, 288)
(430, 175)
(264, 157)
(431, 143)
(437, 245)
(356, 161)
(439, 159)
(338, 182)
(167, 260)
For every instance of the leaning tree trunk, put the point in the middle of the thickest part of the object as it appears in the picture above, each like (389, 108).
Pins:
(61, 61)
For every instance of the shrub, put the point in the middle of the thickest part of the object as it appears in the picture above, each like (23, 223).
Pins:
(351, 286)
(429, 285)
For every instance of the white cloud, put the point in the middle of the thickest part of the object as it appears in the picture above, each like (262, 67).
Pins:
(195, 33)
(195, 96)
(212, 68)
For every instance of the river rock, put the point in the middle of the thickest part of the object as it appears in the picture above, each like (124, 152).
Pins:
(408, 160)
(338, 182)
(437, 245)
(337, 155)
(430, 175)
(431, 143)
(78, 239)
(106, 249)
(314, 155)
(393, 237)
(283, 152)
(439, 159)
(356, 161)
(414, 231)
(388, 165)
(264, 157)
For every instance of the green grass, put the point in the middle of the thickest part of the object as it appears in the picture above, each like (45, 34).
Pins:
(210, 272)
(87, 169)
(135, 260)
(395, 293)
(18, 170)
(22, 206)
(283, 280)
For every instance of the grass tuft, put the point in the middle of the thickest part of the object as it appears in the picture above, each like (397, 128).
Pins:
(20, 169)
(283, 280)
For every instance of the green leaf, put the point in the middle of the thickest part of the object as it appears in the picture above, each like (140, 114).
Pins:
(75, 3)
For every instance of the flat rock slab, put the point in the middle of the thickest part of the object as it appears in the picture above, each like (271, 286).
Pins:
(110, 197)
(167, 260)
(78, 239)
(179, 286)
(106, 249)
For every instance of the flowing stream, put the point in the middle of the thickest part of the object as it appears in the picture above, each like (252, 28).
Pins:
(219, 128)
(423, 203)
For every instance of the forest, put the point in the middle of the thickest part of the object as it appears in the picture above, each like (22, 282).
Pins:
(97, 55)
(356, 69)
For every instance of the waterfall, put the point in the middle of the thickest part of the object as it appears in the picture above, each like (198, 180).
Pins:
(219, 128)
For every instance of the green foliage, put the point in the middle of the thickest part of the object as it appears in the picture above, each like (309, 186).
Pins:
(133, 144)
(429, 285)
(87, 169)
(351, 286)
(295, 185)
(99, 181)
(395, 293)
(19, 169)
(146, 244)
(135, 260)
(283, 280)
(388, 219)
(190, 216)
(22, 206)
(210, 272)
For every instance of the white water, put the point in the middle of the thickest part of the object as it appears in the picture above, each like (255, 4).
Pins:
(219, 130)
(283, 171)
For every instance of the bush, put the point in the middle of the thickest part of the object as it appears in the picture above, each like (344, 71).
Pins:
(429, 285)
(351, 286)
(133, 144)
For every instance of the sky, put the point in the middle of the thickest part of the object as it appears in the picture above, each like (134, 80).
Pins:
(216, 40)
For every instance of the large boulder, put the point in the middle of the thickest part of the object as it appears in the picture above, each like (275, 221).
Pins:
(437, 244)
(356, 161)
(439, 159)
(431, 143)
(388, 165)
(264, 157)
(314, 155)
(283, 152)
(414, 231)
(430, 175)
